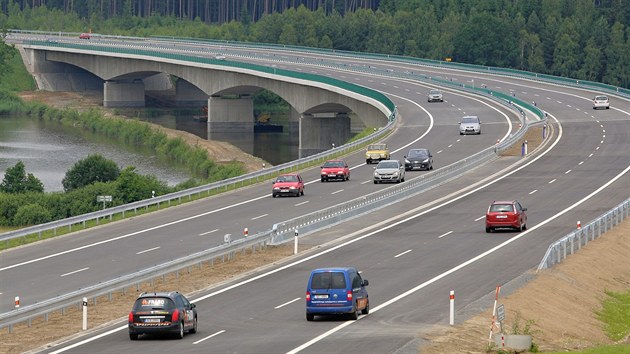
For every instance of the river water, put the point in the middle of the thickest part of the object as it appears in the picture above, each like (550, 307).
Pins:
(48, 150)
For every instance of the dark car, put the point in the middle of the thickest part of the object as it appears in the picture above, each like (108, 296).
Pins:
(162, 313)
(506, 214)
(288, 184)
(336, 291)
(335, 169)
(419, 158)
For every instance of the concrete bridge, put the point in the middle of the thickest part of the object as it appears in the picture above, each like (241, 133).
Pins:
(320, 113)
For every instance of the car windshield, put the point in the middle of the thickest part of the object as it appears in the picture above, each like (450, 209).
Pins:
(418, 153)
(434, 92)
(152, 303)
(333, 164)
(469, 120)
(328, 280)
(387, 164)
(377, 147)
(501, 208)
(287, 179)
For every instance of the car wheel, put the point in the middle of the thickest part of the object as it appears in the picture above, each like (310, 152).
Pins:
(375, 182)
(194, 329)
(488, 229)
(180, 332)
(273, 195)
(460, 133)
(366, 310)
(323, 180)
(402, 179)
(302, 192)
(520, 227)
(367, 162)
(348, 177)
(133, 336)
(524, 226)
(355, 313)
(310, 317)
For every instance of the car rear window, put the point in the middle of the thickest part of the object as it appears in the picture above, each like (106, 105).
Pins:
(376, 147)
(154, 303)
(328, 280)
(501, 208)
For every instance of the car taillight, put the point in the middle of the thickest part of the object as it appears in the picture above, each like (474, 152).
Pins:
(130, 317)
(175, 316)
(308, 296)
(349, 296)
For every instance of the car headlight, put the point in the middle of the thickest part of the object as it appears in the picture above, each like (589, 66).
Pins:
(292, 187)
(276, 188)
(425, 160)
(407, 161)
(396, 173)
(375, 174)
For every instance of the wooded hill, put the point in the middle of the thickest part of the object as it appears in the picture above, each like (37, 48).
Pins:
(583, 39)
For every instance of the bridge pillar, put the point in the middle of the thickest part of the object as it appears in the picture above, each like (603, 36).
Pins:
(123, 94)
(294, 121)
(319, 132)
(230, 114)
(189, 95)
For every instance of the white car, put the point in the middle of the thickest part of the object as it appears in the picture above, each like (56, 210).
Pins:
(601, 101)
(470, 125)
(435, 96)
(389, 171)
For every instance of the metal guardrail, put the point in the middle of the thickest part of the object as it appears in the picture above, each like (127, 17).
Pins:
(572, 242)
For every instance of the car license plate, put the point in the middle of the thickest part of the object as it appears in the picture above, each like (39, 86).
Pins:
(501, 216)
(320, 297)
(284, 190)
(151, 320)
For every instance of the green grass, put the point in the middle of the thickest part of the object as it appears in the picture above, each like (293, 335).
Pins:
(605, 349)
(615, 314)
(18, 79)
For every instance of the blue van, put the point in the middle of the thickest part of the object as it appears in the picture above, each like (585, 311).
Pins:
(336, 291)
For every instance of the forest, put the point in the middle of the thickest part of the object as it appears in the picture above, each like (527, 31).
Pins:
(583, 39)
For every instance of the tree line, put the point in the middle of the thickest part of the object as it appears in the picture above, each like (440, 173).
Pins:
(582, 39)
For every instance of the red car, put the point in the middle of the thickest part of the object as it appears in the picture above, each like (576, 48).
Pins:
(85, 36)
(288, 184)
(506, 214)
(335, 169)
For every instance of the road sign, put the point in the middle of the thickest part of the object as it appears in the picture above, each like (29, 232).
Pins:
(104, 198)
(501, 313)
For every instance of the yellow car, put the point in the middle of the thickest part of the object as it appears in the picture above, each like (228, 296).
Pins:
(376, 152)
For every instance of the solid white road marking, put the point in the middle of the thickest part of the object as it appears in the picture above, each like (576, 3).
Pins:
(298, 204)
(339, 191)
(209, 232)
(481, 217)
(210, 336)
(553, 180)
(287, 303)
(534, 191)
(76, 271)
(149, 250)
(400, 254)
(446, 234)
(259, 216)
(366, 182)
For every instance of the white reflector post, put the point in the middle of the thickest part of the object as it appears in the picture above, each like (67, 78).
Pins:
(452, 301)
(85, 313)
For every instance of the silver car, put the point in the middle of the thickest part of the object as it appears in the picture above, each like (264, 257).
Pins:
(435, 96)
(389, 171)
(470, 125)
(601, 101)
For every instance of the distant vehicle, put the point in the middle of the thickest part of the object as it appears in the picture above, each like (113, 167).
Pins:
(219, 57)
(336, 291)
(85, 36)
(506, 214)
(419, 158)
(164, 312)
(335, 169)
(470, 125)
(389, 171)
(601, 101)
(376, 152)
(288, 184)
(435, 96)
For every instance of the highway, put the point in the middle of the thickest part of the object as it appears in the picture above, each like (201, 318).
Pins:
(414, 251)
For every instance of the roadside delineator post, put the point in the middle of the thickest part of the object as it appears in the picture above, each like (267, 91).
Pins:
(17, 302)
(245, 232)
(579, 225)
(295, 242)
(85, 313)
(452, 308)
(494, 312)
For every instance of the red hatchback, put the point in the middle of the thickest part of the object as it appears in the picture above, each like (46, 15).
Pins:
(288, 184)
(506, 214)
(335, 169)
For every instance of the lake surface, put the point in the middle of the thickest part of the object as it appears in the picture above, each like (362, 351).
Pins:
(48, 150)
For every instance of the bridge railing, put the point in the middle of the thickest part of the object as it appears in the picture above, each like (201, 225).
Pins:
(571, 243)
